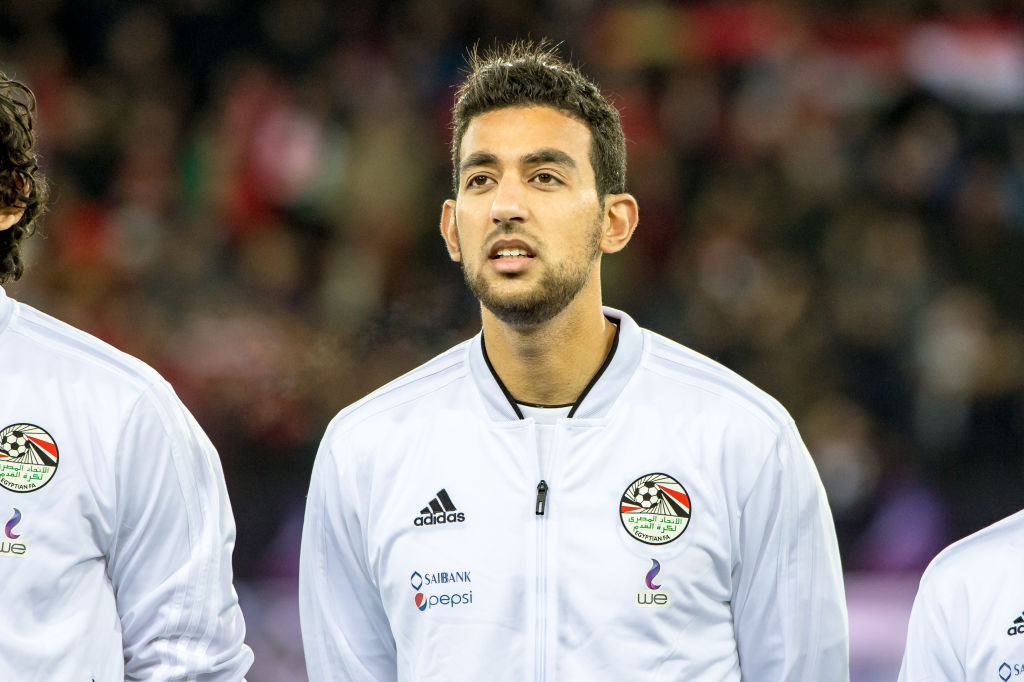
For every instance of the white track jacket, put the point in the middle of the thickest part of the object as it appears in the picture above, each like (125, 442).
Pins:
(967, 623)
(117, 534)
(676, 529)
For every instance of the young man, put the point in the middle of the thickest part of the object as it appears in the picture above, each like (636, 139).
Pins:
(967, 623)
(116, 553)
(566, 496)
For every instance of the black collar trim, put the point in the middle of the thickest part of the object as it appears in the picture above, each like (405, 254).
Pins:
(575, 405)
(501, 384)
(545, 406)
(600, 371)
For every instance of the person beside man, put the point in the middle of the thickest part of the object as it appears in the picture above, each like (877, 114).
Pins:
(118, 533)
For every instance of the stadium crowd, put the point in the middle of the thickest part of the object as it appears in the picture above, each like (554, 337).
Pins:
(246, 196)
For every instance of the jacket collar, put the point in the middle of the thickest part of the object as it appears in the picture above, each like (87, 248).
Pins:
(6, 310)
(602, 393)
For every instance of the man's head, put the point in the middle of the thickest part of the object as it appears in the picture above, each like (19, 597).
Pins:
(539, 170)
(23, 189)
(532, 74)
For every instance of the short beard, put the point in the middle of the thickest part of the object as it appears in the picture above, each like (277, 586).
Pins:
(553, 293)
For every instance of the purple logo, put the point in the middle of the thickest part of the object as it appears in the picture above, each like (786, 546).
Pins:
(15, 520)
(655, 569)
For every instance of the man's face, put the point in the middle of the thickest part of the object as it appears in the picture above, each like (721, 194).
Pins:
(527, 222)
(9, 216)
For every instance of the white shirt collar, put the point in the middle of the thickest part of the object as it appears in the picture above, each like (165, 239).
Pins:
(596, 402)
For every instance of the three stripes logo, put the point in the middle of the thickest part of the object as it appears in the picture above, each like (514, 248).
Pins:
(439, 510)
(1018, 626)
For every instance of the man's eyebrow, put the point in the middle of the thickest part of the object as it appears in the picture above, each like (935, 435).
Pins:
(478, 159)
(556, 156)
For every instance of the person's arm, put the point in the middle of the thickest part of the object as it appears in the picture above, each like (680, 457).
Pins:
(789, 606)
(930, 654)
(345, 631)
(170, 559)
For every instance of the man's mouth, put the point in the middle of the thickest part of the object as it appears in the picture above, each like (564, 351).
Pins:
(510, 249)
(512, 253)
(511, 257)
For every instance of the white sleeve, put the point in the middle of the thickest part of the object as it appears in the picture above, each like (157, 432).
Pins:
(345, 631)
(170, 559)
(931, 654)
(789, 605)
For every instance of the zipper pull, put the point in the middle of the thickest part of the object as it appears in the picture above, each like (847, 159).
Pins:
(542, 497)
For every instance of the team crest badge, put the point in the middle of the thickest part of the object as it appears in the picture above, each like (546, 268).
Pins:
(28, 458)
(655, 509)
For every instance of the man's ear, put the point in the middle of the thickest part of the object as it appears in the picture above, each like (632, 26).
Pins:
(621, 217)
(448, 231)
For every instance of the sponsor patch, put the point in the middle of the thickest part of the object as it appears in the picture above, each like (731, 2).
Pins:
(1017, 627)
(653, 595)
(655, 509)
(28, 458)
(13, 544)
(439, 510)
(447, 598)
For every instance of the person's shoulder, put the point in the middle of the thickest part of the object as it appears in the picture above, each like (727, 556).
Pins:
(68, 351)
(400, 395)
(979, 554)
(693, 372)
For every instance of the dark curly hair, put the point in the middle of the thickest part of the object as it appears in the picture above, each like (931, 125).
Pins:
(526, 73)
(21, 183)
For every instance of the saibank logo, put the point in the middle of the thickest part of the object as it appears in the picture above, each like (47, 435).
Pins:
(653, 595)
(449, 599)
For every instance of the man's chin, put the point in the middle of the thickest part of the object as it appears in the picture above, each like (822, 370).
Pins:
(524, 314)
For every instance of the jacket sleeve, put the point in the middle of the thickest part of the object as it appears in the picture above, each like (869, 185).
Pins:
(345, 631)
(789, 605)
(931, 654)
(170, 558)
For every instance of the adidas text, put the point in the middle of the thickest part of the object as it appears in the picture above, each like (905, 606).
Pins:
(1016, 630)
(432, 519)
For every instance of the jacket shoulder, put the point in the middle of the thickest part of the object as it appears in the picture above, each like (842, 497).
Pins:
(994, 546)
(693, 371)
(67, 349)
(400, 394)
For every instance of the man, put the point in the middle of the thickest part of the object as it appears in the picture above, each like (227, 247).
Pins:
(967, 622)
(565, 496)
(116, 553)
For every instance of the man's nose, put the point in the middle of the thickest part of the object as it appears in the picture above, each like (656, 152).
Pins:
(509, 203)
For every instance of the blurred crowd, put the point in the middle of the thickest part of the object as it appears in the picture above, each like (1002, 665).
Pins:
(247, 195)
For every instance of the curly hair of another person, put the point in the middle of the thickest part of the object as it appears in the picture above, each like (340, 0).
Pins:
(21, 183)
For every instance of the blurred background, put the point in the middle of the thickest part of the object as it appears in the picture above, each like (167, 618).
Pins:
(247, 194)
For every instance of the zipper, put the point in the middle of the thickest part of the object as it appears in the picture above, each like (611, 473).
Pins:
(542, 621)
(542, 497)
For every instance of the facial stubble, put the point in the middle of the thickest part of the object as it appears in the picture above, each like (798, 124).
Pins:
(557, 288)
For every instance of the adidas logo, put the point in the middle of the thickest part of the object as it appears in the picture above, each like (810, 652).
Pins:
(1018, 626)
(441, 509)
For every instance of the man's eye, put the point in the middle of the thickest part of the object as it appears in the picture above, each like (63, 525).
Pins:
(477, 180)
(545, 178)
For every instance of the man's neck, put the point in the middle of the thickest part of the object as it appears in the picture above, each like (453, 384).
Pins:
(550, 364)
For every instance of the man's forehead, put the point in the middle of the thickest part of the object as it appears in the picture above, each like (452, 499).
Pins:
(523, 132)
